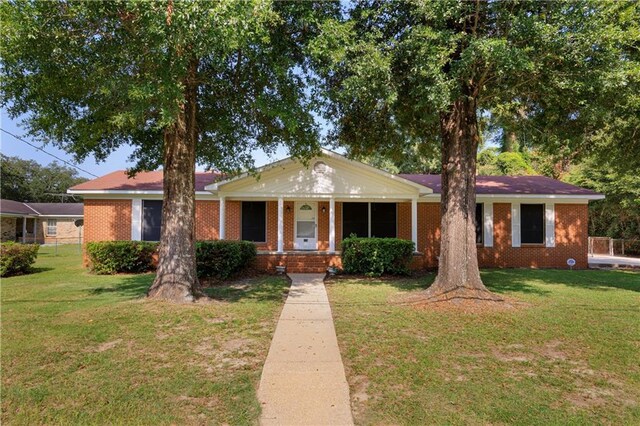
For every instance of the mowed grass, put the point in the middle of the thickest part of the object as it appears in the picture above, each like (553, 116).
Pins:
(571, 357)
(86, 349)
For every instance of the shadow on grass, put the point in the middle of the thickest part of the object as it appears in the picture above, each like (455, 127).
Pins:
(130, 286)
(521, 280)
(402, 283)
(260, 289)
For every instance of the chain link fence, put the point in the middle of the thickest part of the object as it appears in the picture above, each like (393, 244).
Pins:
(614, 246)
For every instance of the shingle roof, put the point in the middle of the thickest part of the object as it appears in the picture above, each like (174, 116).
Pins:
(508, 185)
(143, 181)
(58, 209)
(10, 207)
(15, 207)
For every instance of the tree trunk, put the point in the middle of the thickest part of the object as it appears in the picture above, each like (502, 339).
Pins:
(458, 273)
(176, 278)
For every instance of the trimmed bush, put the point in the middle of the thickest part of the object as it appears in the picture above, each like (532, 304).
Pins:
(223, 258)
(111, 257)
(376, 256)
(17, 258)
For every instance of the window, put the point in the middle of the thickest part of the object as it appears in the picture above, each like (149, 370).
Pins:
(355, 220)
(52, 226)
(383, 220)
(254, 221)
(532, 223)
(479, 223)
(151, 220)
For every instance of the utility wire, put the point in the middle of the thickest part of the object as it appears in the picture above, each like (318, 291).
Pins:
(48, 153)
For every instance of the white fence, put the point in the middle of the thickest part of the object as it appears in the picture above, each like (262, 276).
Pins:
(613, 246)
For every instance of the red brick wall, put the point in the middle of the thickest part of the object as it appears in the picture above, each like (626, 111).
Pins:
(404, 221)
(232, 220)
(429, 232)
(298, 262)
(207, 219)
(107, 220)
(571, 241)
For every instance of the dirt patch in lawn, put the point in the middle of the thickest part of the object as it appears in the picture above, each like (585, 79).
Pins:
(105, 346)
(459, 305)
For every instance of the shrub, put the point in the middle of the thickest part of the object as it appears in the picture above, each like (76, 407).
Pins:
(110, 257)
(17, 258)
(376, 256)
(223, 258)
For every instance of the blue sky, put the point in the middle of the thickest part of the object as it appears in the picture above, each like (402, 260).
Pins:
(118, 160)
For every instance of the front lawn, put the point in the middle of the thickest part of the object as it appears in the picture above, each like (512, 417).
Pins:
(80, 348)
(571, 357)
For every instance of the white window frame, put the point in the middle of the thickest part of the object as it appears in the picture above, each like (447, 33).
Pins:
(549, 223)
(53, 227)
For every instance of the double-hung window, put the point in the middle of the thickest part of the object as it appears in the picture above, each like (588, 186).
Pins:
(254, 221)
(369, 220)
(52, 226)
(532, 223)
(479, 223)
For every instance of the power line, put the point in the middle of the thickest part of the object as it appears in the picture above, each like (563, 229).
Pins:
(48, 153)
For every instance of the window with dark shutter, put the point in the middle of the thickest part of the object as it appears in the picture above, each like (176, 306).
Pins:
(479, 223)
(355, 219)
(383, 220)
(254, 221)
(532, 223)
(151, 220)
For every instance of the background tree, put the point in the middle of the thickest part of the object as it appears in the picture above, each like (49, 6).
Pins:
(182, 82)
(420, 70)
(28, 181)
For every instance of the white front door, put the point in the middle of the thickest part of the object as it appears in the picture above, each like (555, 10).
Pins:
(306, 228)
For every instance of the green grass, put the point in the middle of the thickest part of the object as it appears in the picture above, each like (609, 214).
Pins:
(87, 349)
(571, 357)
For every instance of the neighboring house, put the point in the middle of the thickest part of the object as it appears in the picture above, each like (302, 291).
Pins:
(298, 215)
(43, 223)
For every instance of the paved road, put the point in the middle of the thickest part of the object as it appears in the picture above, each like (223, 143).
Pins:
(303, 380)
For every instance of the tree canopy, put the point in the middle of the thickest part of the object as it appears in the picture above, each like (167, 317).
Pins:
(28, 181)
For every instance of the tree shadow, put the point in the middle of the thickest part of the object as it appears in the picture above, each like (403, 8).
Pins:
(511, 281)
(130, 286)
(260, 289)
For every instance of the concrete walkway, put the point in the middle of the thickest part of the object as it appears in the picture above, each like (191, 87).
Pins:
(303, 380)
(606, 261)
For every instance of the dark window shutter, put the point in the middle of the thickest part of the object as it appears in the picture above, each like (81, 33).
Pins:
(151, 219)
(479, 223)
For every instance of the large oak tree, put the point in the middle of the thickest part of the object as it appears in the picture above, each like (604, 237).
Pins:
(181, 82)
(397, 73)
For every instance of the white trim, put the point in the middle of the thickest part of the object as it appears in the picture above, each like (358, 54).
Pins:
(487, 209)
(24, 229)
(280, 225)
(123, 191)
(515, 225)
(136, 219)
(221, 227)
(550, 225)
(61, 215)
(414, 223)
(422, 189)
(332, 225)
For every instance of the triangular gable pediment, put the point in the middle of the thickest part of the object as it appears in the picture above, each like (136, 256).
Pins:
(329, 174)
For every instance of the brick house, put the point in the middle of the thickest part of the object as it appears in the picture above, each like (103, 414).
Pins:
(297, 215)
(42, 223)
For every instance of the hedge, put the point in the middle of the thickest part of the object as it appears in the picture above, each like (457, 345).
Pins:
(376, 256)
(223, 258)
(214, 259)
(110, 257)
(17, 258)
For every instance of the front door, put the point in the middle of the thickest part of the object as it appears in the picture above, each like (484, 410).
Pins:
(306, 228)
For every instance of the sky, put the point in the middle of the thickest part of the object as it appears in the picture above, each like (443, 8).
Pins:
(118, 160)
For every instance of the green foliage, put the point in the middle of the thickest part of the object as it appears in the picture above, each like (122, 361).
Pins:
(110, 257)
(223, 258)
(376, 256)
(28, 181)
(93, 76)
(513, 163)
(17, 258)
(561, 73)
(618, 215)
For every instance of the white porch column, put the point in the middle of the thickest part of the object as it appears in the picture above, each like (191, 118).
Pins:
(280, 225)
(414, 223)
(136, 219)
(221, 233)
(24, 229)
(332, 225)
